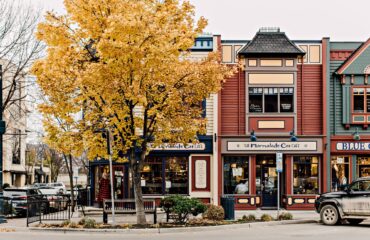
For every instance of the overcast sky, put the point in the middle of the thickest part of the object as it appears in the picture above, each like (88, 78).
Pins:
(341, 20)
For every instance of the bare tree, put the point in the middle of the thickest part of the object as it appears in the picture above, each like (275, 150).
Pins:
(19, 48)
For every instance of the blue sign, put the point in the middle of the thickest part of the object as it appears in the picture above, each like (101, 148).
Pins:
(279, 162)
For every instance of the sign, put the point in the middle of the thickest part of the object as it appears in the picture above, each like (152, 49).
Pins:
(353, 146)
(178, 146)
(272, 146)
(201, 174)
(279, 162)
(75, 172)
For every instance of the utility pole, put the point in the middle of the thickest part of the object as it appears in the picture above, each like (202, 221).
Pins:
(2, 131)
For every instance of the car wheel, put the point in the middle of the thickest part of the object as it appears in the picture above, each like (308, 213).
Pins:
(329, 215)
(355, 221)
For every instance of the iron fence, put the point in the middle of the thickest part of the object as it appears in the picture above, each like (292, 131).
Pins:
(50, 208)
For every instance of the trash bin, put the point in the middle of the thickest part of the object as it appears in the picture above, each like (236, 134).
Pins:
(228, 204)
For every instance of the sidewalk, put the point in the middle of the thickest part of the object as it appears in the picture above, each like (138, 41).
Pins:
(19, 224)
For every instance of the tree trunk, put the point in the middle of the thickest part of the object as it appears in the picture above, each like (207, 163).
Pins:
(136, 176)
(68, 160)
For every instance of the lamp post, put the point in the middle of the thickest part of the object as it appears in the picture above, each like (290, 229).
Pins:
(2, 131)
(109, 150)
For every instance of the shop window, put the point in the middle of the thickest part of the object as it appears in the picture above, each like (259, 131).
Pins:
(176, 175)
(271, 100)
(359, 100)
(363, 167)
(173, 180)
(236, 175)
(339, 172)
(305, 175)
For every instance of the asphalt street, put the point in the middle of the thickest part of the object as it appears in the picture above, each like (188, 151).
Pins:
(312, 231)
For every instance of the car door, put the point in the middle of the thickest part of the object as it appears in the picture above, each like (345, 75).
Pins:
(358, 199)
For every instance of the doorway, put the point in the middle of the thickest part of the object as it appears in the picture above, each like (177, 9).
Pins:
(266, 180)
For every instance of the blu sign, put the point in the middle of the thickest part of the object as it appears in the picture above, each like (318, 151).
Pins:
(353, 146)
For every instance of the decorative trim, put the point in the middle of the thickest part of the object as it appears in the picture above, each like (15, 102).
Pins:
(352, 79)
(353, 57)
(194, 159)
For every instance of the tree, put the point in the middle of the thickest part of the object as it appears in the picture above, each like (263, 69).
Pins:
(125, 64)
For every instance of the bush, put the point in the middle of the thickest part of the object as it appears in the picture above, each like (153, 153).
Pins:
(66, 223)
(89, 223)
(213, 212)
(249, 218)
(182, 207)
(266, 218)
(82, 221)
(73, 225)
(286, 216)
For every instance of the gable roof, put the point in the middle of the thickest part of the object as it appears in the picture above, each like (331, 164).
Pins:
(358, 61)
(271, 43)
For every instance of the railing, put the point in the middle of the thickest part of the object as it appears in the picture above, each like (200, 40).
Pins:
(49, 208)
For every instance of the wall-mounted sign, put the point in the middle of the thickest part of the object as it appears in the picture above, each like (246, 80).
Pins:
(353, 146)
(179, 146)
(272, 146)
(200, 174)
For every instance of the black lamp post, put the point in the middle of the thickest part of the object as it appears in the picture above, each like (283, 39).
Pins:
(2, 131)
(253, 136)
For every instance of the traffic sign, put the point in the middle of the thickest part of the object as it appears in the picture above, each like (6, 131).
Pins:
(279, 162)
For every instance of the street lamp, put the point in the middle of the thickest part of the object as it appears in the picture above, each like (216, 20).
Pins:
(253, 137)
(109, 150)
(2, 131)
(293, 137)
(356, 136)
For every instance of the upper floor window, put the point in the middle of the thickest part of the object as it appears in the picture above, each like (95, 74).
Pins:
(271, 100)
(361, 100)
(313, 53)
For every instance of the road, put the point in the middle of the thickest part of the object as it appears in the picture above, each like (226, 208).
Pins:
(312, 231)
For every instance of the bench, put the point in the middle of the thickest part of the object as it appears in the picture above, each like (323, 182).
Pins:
(128, 206)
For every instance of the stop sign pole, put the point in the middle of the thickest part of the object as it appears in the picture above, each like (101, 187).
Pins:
(279, 169)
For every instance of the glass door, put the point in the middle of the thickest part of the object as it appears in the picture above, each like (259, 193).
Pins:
(267, 179)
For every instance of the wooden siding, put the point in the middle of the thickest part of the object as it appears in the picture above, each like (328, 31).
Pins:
(233, 105)
(340, 55)
(309, 100)
(335, 99)
(209, 114)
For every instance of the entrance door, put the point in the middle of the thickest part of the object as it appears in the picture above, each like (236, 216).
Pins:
(267, 176)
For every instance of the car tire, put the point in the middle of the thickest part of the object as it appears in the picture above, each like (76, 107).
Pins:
(355, 221)
(329, 215)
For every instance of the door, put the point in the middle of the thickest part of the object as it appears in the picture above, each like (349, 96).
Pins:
(118, 186)
(268, 181)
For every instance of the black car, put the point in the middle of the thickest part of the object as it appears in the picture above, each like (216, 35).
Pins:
(351, 204)
(17, 199)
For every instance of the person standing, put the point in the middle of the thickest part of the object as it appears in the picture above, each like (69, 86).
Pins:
(104, 189)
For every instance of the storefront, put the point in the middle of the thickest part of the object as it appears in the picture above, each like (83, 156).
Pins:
(168, 170)
(350, 159)
(249, 172)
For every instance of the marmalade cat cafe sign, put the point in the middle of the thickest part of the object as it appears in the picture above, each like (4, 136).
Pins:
(179, 146)
(272, 146)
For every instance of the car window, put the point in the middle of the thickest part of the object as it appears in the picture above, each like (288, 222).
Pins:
(33, 192)
(361, 186)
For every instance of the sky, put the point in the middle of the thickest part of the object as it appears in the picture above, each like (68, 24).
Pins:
(341, 20)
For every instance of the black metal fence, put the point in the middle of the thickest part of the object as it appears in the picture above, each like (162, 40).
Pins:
(7, 208)
(50, 208)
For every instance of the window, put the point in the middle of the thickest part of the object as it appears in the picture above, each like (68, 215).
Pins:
(236, 175)
(315, 54)
(16, 148)
(271, 63)
(359, 100)
(339, 172)
(271, 99)
(252, 62)
(289, 63)
(305, 49)
(361, 186)
(363, 167)
(165, 175)
(236, 49)
(305, 175)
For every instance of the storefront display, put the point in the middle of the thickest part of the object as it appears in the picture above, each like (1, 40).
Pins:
(363, 166)
(236, 174)
(339, 172)
(305, 175)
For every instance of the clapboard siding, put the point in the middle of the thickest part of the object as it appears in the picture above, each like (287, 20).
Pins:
(233, 105)
(309, 99)
(335, 110)
(209, 114)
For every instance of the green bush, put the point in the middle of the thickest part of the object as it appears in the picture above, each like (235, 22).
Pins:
(66, 223)
(213, 212)
(89, 223)
(82, 221)
(266, 218)
(182, 207)
(73, 225)
(286, 216)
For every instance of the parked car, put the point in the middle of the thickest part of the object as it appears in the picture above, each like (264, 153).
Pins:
(59, 186)
(351, 204)
(57, 201)
(38, 185)
(19, 196)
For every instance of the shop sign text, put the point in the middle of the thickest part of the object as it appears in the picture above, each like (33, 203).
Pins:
(179, 146)
(353, 146)
(271, 146)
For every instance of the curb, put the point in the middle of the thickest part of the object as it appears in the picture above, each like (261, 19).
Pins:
(173, 230)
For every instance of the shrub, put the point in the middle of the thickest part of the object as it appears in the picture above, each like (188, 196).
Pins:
(251, 217)
(66, 223)
(73, 225)
(285, 216)
(82, 221)
(266, 218)
(182, 207)
(213, 212)
(89, 223)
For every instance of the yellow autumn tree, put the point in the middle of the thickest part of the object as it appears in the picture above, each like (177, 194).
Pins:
(126, 65)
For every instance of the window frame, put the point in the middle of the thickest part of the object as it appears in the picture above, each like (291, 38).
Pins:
(318, 174)
(278, 99)
(365, 113)
(249, 176)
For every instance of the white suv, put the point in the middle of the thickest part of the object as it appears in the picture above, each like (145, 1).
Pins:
(61, 188)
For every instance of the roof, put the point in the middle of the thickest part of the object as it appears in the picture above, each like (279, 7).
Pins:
(271, 43)
(354, 60)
